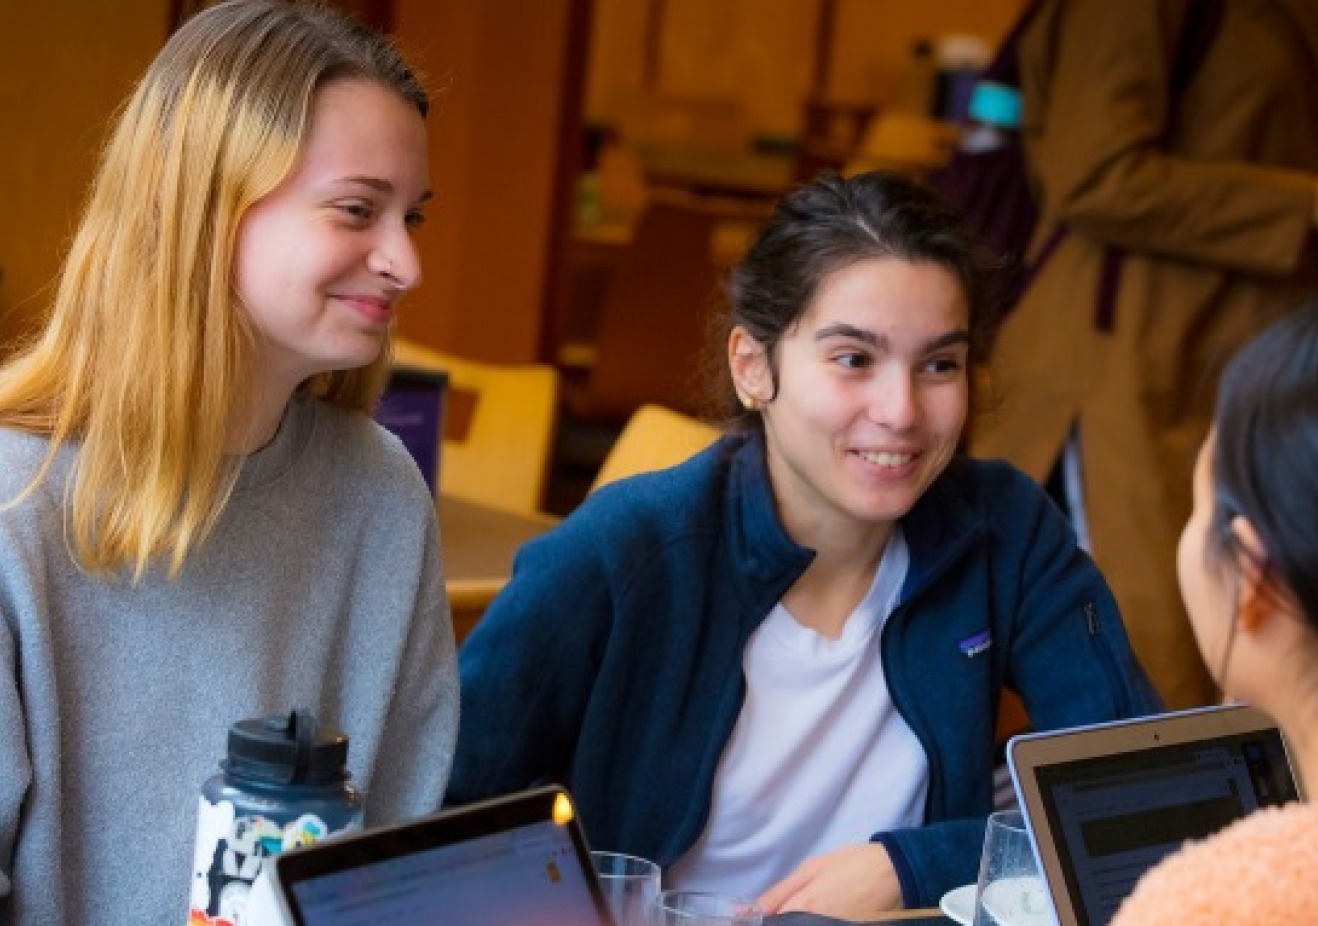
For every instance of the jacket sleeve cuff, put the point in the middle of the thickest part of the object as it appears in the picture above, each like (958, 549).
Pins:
(905, 876)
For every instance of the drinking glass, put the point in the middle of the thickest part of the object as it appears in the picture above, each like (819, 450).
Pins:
(697, 908)
(630, 886)
(1010, 891)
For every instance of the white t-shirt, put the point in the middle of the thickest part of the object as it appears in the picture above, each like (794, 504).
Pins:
(819, 757)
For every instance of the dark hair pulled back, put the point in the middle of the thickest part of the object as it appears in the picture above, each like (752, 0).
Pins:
(1265, 461)
(831, 223)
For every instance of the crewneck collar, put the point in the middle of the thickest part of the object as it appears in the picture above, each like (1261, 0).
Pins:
(272, 461)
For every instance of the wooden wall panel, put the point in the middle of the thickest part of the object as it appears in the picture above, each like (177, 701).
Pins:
(66, 67)
(618, 39)
(496, 68)
(762, 52)
(873, 38)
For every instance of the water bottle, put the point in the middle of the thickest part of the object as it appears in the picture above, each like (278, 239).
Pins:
(284, 783)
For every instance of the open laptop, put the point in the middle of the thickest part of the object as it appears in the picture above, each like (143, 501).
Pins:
(519, 860)
(413, 408)
(1105, 803)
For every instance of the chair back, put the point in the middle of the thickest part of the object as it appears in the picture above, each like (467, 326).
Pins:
(654, 438)
(499, 427)
(654, 320)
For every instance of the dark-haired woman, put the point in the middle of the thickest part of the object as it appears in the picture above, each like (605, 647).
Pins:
(774, 669)
(1248, 569)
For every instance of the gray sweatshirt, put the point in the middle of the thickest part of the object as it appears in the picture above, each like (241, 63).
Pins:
(320, 587)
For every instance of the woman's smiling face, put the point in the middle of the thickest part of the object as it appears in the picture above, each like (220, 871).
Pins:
(872, 393)
(321, 261)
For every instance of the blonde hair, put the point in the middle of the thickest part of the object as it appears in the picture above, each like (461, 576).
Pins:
(142, 359)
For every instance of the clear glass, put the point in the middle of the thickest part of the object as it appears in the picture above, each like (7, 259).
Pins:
(695, 908)
(1010, 891)
(630, 886)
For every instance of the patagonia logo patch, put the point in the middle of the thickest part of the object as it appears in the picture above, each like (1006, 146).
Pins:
(975, 644)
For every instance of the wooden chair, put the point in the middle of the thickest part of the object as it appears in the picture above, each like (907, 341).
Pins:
(655, 314)
(499, 427)
(654, 438)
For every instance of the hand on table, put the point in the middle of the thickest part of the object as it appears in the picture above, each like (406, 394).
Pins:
(855, 882)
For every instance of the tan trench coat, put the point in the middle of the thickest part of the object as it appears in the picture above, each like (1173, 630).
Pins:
(1216, 225)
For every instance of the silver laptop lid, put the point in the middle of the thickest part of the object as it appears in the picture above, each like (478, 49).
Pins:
(1105, 803)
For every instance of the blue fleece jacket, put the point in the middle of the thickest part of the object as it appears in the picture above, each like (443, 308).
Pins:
(612, 660)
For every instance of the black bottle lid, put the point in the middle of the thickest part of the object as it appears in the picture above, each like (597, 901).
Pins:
(286, 750)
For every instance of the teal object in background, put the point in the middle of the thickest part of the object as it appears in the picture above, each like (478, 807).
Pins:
(996, 104)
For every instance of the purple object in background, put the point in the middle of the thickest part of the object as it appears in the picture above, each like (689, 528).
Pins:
(412, 407)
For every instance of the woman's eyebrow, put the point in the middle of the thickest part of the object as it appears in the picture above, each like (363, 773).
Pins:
(952, 338)
(381, 185)
(843, 330)
(879, 342)
(375, 183)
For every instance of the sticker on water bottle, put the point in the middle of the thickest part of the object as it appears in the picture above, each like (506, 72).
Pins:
(230, 852)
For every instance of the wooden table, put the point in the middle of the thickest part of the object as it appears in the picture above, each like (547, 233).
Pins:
(478, 544)
(932, 915)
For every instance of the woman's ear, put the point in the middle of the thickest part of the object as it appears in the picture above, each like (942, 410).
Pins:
(749, 364)
(1257, 597)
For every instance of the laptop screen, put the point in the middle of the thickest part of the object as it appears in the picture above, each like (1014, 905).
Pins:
(1111, 818)
(466, 866)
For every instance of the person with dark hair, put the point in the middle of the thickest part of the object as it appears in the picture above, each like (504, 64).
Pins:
(1248, 569)
(774, 669)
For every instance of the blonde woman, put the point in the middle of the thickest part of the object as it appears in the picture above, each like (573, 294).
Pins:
(201, 522)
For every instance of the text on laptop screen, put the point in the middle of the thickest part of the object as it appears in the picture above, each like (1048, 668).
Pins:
(529, 876)
(1118, 816)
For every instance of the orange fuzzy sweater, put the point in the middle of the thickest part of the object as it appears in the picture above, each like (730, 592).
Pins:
(1261, 870)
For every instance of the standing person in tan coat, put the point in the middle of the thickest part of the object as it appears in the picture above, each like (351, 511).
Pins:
(1188, 222)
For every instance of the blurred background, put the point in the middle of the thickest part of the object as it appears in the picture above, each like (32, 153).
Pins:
(598, 164)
